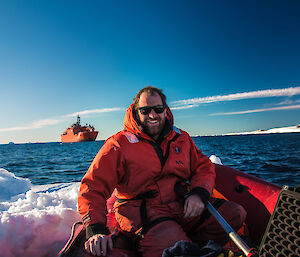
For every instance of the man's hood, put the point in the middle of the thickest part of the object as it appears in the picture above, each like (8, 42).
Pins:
(131, 124)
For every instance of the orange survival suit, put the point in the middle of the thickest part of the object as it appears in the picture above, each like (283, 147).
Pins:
(144, 173)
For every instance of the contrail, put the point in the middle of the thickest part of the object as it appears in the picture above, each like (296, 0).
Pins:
(195, 102)
(93, 111)
(48, 122)
(290, 107)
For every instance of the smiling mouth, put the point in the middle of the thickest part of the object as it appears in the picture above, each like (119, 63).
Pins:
(152, 122)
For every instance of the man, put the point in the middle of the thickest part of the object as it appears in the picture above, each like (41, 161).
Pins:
(148, 163)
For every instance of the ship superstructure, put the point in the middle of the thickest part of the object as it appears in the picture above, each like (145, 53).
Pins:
(78, 133)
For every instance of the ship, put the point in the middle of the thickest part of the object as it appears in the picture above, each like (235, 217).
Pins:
(78, 133)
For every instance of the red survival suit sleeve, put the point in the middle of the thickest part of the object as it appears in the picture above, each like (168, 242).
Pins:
(203, 173)
(97, 186)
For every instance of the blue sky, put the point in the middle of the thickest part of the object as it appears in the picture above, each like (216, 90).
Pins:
(235, 63)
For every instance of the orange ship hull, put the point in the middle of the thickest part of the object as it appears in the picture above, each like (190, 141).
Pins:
(79, 137)
(78, 133)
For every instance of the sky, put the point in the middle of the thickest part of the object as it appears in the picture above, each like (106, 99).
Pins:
(225, 66)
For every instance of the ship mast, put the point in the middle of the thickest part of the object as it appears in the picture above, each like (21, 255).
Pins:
(78, 120)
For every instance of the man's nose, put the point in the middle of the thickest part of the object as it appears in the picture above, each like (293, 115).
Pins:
(152, 114)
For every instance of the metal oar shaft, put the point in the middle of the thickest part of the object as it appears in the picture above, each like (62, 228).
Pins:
(232, 234)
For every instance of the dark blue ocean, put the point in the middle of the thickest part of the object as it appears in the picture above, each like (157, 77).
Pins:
(273, 157)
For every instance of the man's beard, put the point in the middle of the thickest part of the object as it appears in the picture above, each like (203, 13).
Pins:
(153, 130)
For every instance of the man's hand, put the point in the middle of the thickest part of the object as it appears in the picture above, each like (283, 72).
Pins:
(193, 206)
(98, 245)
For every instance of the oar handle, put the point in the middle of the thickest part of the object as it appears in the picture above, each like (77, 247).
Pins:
(231, 233)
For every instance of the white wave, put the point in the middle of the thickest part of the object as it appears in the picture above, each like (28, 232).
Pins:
(215, 159)
(36, 222)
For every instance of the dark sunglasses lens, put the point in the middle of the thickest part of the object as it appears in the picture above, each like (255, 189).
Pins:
(145, 110)
(159, 109)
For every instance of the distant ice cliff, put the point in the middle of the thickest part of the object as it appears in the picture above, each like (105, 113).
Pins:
(291, 129)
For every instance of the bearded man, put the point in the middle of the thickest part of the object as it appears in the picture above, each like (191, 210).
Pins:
(144, 163)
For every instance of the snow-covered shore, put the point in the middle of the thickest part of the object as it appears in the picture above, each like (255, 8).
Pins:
(290, 129)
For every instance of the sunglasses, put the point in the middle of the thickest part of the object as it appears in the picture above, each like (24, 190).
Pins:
(147, 109)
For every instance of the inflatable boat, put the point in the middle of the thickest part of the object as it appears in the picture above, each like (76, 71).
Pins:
(272, 223)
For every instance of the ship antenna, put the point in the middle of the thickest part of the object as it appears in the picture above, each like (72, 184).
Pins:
(78, 120)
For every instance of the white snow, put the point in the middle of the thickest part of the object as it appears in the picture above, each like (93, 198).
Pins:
(10, 185)
(35, 221)
(290, 129)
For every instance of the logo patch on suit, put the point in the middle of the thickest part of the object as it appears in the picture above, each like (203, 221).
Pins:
(131, 137)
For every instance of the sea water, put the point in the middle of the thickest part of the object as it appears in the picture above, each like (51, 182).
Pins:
(39, 183)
